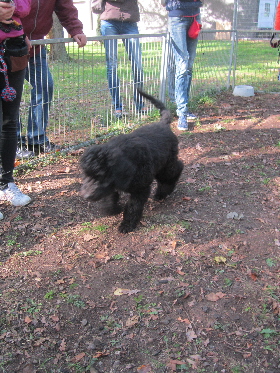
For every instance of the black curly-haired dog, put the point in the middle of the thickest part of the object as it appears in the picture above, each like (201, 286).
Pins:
(129, 163)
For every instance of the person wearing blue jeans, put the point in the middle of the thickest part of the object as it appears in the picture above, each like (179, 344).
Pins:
(120, 18)
(37, 24)
(40, 78)
(182, 14)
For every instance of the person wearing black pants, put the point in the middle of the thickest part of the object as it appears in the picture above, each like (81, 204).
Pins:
(13, 61)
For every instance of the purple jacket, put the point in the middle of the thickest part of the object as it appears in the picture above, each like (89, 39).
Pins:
(22, 9)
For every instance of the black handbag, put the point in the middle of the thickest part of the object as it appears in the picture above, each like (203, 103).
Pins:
(16, 53)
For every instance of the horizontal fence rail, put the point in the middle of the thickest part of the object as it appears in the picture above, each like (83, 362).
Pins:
(82, 109)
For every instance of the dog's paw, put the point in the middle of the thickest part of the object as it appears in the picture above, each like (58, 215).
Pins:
(159, 197)
(125, 228)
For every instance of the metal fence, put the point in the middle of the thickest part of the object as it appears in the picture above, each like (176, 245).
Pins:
(82, 108)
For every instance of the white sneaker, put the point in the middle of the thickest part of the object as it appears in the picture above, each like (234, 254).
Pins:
(14, 195)
(1, 216)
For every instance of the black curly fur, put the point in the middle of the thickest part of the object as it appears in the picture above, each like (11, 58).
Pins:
(129, 163)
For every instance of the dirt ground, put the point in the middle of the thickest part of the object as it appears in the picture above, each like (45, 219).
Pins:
(194, 289)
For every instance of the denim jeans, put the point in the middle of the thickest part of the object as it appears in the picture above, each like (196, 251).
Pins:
(184, 50)
(40, 78)
(9, 113)
(133, 49)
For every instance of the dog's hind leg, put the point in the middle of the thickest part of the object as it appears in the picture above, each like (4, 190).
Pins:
(167, 179)
(133, 210)
(111, 204)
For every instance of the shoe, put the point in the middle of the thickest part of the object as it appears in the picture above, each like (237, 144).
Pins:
(191, 116)
(49, 147)
(144, 110)
(14, 195)
(119, 113)
(1, 216)
(182, 124)
(24, 153)
(43, 148)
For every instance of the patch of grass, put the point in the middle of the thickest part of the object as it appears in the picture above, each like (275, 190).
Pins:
(50, 294)
(32, 307)
(30, 253)
(268, 333)
(18, 218)
(87, 225)
(118, 257)
(228, 282)
(236, 369)
(266, 181)
(185, 224)
(273, 292)
(101, 227)
(206, 99)
(206, 188)
(271, 262)
(75, 300)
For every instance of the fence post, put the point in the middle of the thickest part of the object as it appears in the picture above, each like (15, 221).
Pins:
(163, 68)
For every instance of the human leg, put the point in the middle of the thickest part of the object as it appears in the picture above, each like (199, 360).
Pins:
(9, 112)
(184, 49)
(40, 78)
(111, 51)
(192, 46)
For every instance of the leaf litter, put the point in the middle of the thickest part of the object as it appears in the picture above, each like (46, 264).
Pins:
(193, 289)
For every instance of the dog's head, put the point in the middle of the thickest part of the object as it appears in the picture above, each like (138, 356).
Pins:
(95, 181)
(93, 162)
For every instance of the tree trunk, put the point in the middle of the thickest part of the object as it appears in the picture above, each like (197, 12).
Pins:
(57, 51)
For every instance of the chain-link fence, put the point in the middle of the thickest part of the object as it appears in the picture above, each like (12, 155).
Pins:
(82, 108)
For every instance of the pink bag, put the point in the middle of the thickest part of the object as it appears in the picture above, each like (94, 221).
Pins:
(194, 30)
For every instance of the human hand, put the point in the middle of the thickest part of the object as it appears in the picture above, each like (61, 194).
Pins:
(80, 39)
(28, 42)
(6, 12)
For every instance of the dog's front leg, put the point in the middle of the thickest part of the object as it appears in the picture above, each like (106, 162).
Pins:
(111, 204)
(133, 211)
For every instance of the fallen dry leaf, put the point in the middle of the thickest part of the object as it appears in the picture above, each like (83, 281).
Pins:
(62, 346)
(190, 335)
(172, 364)
(89, 237)
(120, 291)
(78, 357)
(220, 259)
(132, 321)
(54, 318)
(99, 354)
(186, 321)
(253, 276)
(213, 297)
(144, 369)
(29, 368)
(27, 320)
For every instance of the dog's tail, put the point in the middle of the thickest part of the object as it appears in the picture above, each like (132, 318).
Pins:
(164, 112)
